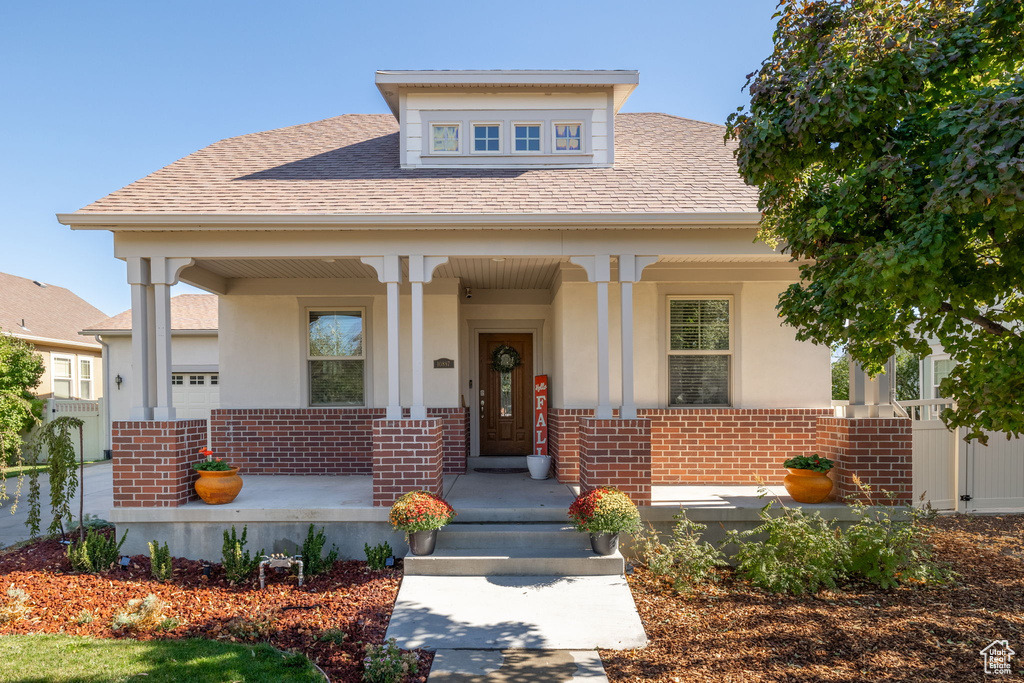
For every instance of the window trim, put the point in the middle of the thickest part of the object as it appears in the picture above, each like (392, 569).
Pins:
(365, 357)
(935, 385)
(83, 361)
(526, 152)
(731, 351)
(501, 138)
(583, 137)
(459, 147)
(72, 376)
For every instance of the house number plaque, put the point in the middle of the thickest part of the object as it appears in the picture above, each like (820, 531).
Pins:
(444, 363)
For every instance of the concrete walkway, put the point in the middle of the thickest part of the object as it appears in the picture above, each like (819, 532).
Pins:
(99, 499)
(517, 666)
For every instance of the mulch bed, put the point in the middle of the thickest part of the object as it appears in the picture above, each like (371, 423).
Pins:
(732, 632)
(351, 598)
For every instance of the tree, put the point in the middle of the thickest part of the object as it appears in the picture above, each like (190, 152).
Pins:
(907, 377)
(20, 371)
(885, 138)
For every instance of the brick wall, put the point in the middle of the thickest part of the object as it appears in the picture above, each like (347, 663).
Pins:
(324, 441)
(564, 442)
(877, 450)
(153, 462)
(407, 455)
(616, 453)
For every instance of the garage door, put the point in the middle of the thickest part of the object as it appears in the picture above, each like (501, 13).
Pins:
(195, 394)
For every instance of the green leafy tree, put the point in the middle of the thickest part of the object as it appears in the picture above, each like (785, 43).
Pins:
(841, 378)
(20, 371)
(885, 137)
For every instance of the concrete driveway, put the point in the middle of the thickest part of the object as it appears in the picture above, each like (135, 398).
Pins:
(99, 498)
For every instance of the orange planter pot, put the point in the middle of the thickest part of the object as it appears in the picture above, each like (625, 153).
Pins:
(217, 488)
(807, 486)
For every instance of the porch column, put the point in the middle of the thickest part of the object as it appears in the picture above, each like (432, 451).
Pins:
(869, 396)
(164, 273)
(631, 268)
(421, 271)
(599, 270)
(138, 279)
(389, 272)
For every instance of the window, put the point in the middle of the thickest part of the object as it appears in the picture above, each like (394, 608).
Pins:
(486, 137)
(197, 380)
(527, 137)
(445, 138)
(177, 380)
(700, 352)
(336, 358)
(85, 378)
(941, 367)
(61, 376)
(568, 137)
(215, 380)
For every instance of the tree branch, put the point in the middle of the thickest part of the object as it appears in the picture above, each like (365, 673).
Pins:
(981, 321)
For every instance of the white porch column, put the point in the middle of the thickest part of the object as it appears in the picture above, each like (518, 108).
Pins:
(389, 272)
(138, 279)
(164, 274)
(631, 268)
(599, 270)
(869, 396)
(421, 271)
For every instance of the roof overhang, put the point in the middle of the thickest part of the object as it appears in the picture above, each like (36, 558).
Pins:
(128, 333)
(50, 341)
(620, 82)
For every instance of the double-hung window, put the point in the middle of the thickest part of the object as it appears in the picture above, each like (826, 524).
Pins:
(336, 357)
(85, 378)
(63, 380)
(527, 137)
(941, 367)
(699, 351)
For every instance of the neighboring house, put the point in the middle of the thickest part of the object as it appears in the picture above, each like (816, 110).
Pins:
(49, 318)
(195, 381)
(935, 367)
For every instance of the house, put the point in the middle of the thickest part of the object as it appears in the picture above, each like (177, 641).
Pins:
(195, 381)
(371, 270)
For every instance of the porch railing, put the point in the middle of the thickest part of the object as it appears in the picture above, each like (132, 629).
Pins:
(926, 409)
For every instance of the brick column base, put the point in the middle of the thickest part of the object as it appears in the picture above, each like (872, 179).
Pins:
(406, 457)
(153, 462)
(876, 450)
(616, 453)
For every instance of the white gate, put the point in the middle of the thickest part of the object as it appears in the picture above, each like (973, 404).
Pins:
(90, 413)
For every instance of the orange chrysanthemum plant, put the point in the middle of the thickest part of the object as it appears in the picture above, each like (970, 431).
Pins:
(420, 511)
(604, 510)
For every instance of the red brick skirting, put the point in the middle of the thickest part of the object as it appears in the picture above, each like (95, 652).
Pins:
(877, 450)
(153, 462)
(616, 453)
(333, 441)
(407, 455)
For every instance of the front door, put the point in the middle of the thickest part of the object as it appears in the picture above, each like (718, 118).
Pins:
(506, 418)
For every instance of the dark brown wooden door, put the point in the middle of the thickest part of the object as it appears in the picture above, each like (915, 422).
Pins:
(505, 400)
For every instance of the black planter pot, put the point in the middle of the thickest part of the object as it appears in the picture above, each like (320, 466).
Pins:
(422, 542)
(604, 543)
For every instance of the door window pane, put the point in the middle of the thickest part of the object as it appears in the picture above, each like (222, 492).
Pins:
(506, 394)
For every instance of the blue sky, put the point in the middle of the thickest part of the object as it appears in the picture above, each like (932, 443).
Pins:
(94, 95)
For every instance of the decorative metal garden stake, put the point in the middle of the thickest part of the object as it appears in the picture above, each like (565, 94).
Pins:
(279, 561)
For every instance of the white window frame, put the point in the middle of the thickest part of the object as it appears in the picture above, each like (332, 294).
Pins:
(196, 380)
(180, 377)
(71, 378)
(731, 351)
(583, 137)
(367, 375)
(82, 393)
(935, 384)
(527, 152)
(214, 379)
(430, 139)
(472, 132)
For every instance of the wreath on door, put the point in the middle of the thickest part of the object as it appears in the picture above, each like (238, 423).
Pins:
(505, 359)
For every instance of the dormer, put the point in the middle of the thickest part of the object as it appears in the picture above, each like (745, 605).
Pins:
(506, 119)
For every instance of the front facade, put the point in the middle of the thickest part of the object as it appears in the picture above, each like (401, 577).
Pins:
(390, 286)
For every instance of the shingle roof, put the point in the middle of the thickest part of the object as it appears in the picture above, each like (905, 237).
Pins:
(349, 165)
(48, 311)
(188, 312)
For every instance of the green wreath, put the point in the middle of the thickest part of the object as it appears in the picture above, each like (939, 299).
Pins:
(505, 359)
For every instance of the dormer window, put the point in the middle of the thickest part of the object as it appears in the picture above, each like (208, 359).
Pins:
(527, 137)
(445, 138)
(568, 137)
(486, 137)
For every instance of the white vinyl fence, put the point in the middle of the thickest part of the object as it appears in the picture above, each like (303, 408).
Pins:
(91, 414)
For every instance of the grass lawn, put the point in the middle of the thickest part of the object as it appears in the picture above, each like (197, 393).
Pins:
(63, 659)
(22, 469)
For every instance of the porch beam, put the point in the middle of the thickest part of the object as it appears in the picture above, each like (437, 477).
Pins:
(138, 280)
(631, 269)
(389, 272)
(599, 270)
(421, 271)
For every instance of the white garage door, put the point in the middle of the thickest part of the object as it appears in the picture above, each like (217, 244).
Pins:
(195, 394)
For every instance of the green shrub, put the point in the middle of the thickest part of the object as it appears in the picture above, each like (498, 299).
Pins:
(160, 561)
(335, 636)
(96, 552)
(685, 559)
(14, 606)
(258, 626)
(238, 564)
(313, 562)
(143, 615)
(378, 555)
(387, 663)
(85, 617)
(801, 554)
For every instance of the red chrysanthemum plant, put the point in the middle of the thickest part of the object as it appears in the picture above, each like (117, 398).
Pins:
(604, 510)
(211, 464)
(420, 511)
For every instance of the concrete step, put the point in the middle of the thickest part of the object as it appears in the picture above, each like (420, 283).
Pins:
(512, 536)
(514, 562)
(495, 461)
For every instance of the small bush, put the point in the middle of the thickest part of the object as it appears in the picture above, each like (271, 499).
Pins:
(313, 562)
(160, 561)
(14, 606)
(238, 564)
(332, 635)
(802, 554)
(685, 559)
(259, 626)
(387, 663)
(96, 553)
(142, 615)
(377, 556)
(85, 617)
(604, 510)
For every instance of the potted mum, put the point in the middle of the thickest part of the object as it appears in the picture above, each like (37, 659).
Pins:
(218, 481)
(420, 514)
(808, 480)
(604, 513)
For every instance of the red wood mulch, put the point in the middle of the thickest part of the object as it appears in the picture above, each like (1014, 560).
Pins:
(735, 633)
(351, 597)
